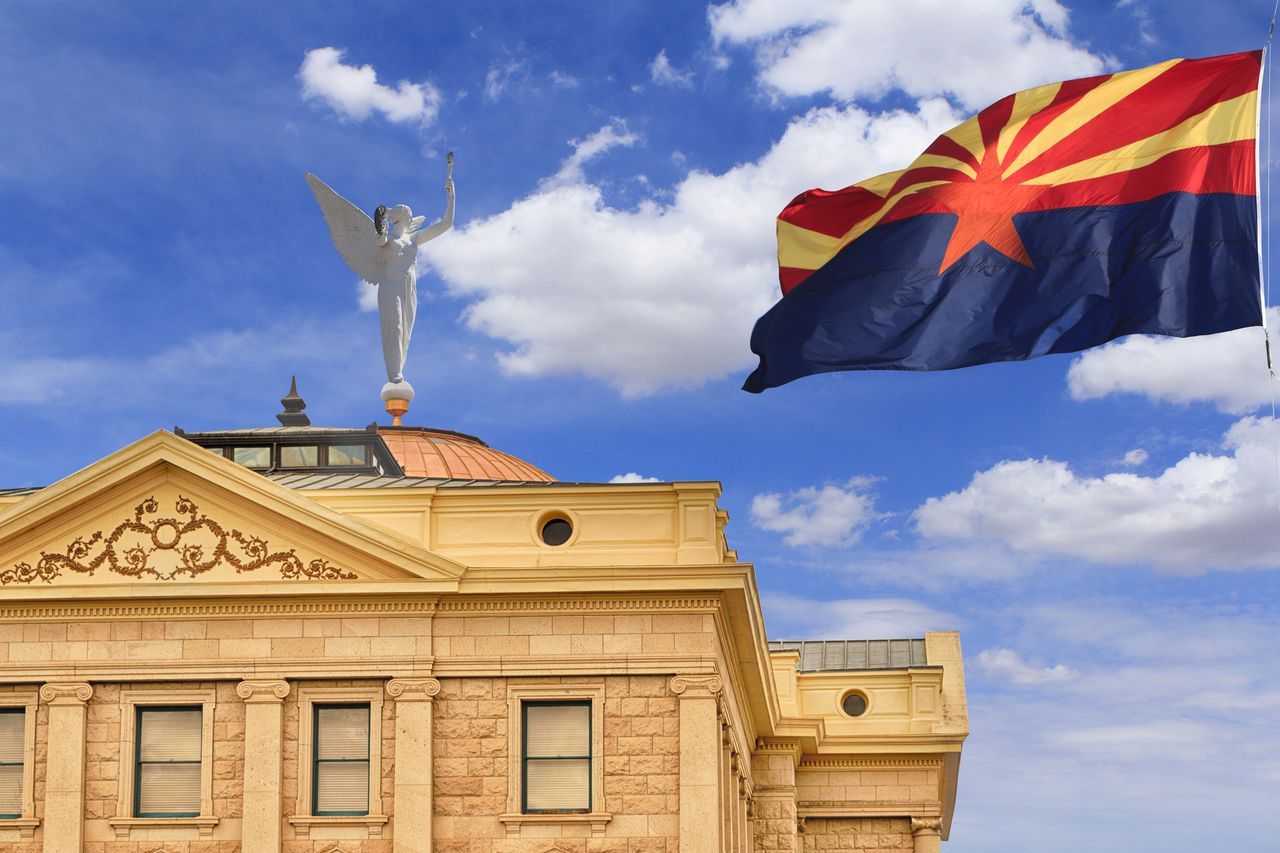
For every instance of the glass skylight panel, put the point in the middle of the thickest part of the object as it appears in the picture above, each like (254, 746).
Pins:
(253, 457)
(348, 454)
(307, 456)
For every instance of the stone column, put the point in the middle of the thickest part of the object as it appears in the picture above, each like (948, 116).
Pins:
(64, 770)
(414, 697)
(926, 833)
(263, 762)
(699, 763)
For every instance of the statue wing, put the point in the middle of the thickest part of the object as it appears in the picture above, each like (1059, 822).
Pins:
(352, 231)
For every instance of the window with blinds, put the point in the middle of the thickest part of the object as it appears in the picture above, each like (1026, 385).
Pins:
(557, 756)
(340, 767)
(167, 772)
(13, 727)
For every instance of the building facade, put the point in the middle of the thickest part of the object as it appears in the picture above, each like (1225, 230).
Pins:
(401, 640)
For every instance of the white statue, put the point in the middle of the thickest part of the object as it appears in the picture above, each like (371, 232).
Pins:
(385, 257)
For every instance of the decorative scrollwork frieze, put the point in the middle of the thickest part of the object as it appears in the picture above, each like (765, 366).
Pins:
(128, 550)
(413, 689)
(72, 693)
(702, 686)
(272, 691)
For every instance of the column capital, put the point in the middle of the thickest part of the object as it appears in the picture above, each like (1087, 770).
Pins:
(68, 693)
(696, 686)
(272, 691)
(413, 689)
(926, 826)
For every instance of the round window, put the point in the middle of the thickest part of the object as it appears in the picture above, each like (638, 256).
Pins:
(854, 704)
(557, 531)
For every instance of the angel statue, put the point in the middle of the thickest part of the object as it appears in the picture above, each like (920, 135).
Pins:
(383, 251)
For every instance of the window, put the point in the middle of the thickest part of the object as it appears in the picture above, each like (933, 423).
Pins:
(167, 734)
(348, 454)
(556, 775)
(306, 456)
(13, 727)
(167, 769)
(341, 760)
(252, 457)
(854, 703)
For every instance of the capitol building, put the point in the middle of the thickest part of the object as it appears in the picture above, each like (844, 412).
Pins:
(393, 639)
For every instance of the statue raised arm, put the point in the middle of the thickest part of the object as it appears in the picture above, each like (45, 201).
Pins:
(383, 252)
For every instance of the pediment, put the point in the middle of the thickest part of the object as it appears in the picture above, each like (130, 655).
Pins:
(164, 512)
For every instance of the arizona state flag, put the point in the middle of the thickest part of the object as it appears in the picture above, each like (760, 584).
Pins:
(1054, 220)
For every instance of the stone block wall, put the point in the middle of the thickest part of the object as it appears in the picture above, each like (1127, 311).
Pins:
(484, 636)
(852, 784)
(857, 835)
(640, 763)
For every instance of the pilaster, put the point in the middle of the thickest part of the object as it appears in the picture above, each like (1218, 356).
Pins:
(773, 792)
(700, 763)
(263, 761)
(414, 698)
(64, 771)
(926, 834)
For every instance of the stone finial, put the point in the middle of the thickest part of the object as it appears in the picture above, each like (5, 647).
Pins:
(293, 406)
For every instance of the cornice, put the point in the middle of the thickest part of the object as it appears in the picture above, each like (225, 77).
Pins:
(75, 612)
(321, 604)
(864, 763)
(927, 810)
(563, 602)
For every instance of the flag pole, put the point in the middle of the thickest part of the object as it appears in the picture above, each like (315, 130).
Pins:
(1264, 168)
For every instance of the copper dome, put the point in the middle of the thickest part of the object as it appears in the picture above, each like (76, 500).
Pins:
(424, 452)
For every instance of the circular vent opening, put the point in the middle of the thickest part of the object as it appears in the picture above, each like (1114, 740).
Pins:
(854, 704)
(557, 531)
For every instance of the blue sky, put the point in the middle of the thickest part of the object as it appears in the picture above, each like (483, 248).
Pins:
(1101, 528)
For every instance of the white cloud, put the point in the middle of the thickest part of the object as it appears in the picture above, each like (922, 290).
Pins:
(1161, 719)
(254, 357)
(1208, 511)
(662, 72)
(1143, 18)
(977, 51)
(500, 77)
(354, 91)
(833, 515)
(1007, 665)
(663, 295)
(1228, 370)
(1135, 457)
(633, 477)
(366, 296)
(794, 618)
(563, 80)
(613, 135)
(933, 566)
